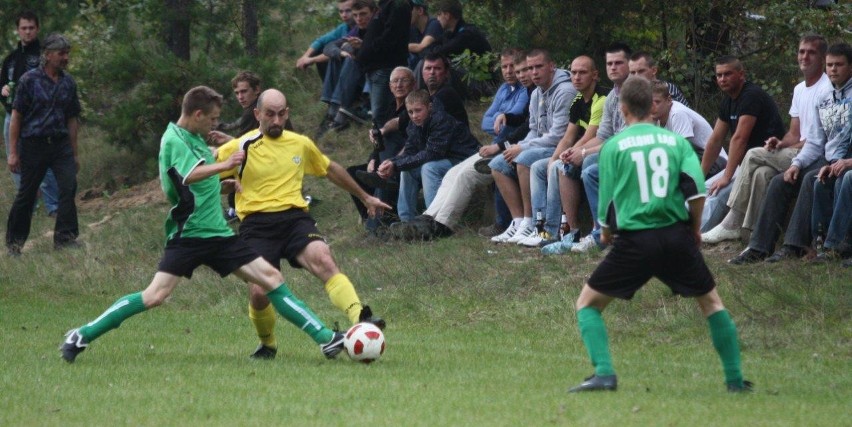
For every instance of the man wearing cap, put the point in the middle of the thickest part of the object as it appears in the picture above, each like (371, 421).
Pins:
(25, 57)
(43, 134)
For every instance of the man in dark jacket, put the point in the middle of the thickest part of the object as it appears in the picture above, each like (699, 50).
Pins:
(43, 135)
(436, 142)
(23, 58)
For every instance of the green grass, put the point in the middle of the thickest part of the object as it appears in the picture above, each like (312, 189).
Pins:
(478, 334)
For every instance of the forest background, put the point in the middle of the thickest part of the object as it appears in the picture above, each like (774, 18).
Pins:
(133, 59)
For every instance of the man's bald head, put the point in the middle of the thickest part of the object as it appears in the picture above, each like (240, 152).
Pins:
(272, 112)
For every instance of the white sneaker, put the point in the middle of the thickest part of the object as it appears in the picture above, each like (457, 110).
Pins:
(719, 234)
(532, 241)
(522, 234)
(506, 235)
(585, 244)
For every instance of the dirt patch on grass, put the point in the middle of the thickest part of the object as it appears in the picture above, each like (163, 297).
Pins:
(102, 199)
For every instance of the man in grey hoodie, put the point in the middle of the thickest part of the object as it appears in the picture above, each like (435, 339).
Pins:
(549, 105)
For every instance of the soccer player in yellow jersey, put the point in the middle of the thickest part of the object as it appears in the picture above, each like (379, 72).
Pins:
(274, 215)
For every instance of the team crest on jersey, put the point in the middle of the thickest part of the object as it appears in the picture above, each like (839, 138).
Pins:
(297, 159)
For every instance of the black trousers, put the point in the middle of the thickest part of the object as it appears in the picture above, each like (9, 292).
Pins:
(36, 156)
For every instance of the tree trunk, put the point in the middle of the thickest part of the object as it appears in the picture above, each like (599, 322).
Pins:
(176, 27)
(250, 27)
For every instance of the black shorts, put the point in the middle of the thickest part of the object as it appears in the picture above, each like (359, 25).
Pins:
(223, 254)
(277, 235)
(668, 253)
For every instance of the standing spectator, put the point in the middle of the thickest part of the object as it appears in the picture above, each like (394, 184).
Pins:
(25, 57)
(43, 134)
(246, 87)
(385, 47)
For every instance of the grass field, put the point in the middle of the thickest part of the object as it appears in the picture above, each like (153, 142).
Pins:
(478, 335)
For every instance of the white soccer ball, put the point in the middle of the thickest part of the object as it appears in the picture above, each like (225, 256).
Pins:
(364, 342)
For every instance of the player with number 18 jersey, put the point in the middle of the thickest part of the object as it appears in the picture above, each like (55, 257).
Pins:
(647, 175)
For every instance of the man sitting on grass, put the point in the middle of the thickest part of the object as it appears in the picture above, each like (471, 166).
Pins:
(647, 175)
(436, 142)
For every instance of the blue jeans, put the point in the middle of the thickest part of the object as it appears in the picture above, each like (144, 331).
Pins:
(544, 193)
(715, 208)
(502, 216)
(526, 158)
(833, 197)
(342, 83)
(381, 98)
(49, 188)
(428, 176)
(502, 136)
(591, 182)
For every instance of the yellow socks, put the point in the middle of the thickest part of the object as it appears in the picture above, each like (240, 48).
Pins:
(264, 323)
(342, 294)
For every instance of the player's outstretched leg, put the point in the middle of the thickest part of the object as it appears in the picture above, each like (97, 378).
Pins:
(316, 257)
(76, 340)
(342, 293)
(298, 313)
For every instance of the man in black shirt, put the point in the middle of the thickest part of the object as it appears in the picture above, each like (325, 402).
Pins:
(751, 117)
(436, 70)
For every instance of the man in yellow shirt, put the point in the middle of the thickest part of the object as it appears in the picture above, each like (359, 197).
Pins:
(274, 215)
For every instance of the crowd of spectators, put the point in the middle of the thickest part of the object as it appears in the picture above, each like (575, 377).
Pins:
(546, 126)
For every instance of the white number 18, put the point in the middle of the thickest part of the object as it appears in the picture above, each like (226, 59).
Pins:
(659, 162)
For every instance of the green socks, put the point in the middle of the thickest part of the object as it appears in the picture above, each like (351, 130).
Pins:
(593, 331)
(724, 334)
(297, 313)
(123, 308)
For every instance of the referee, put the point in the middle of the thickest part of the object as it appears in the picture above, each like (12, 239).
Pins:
(647, 176)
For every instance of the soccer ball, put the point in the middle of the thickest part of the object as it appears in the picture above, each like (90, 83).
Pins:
(364, 342)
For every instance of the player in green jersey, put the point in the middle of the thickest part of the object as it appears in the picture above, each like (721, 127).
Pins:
(197, 233)
(647, 176)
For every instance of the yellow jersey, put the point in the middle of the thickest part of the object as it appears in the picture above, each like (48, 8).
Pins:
(272, 173)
